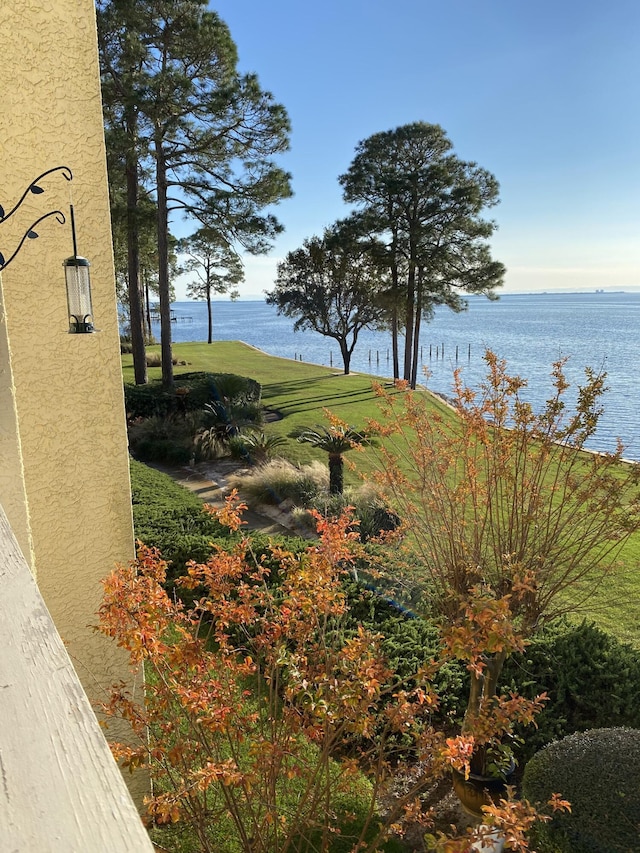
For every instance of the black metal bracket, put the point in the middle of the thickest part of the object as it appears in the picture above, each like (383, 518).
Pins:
(31, 235)
(35, 189)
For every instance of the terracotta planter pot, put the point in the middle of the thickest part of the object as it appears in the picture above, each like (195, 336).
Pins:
(478, 791)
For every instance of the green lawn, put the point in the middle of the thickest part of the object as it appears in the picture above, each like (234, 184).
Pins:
(300, 393)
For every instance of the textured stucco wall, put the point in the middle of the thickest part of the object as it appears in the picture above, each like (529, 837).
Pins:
(66, 431)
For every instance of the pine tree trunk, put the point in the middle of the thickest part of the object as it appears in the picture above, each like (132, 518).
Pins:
(147, 305)
(209, 315)
(163, 270)
(408, 326)
(416, 332)
(394, 344)
(136, 316)
(394, 317)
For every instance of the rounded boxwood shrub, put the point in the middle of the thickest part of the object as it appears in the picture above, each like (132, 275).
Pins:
(598, 771)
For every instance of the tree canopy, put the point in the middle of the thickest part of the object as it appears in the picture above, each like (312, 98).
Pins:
(330, 285)
(208, 133)
(421, 205)
(216, 267)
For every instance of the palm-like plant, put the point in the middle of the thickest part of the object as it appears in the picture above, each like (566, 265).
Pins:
(259, 446)
(335, 440)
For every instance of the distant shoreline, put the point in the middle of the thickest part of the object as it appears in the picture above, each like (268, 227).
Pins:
(599, 291)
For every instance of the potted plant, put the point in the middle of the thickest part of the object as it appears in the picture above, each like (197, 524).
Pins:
(484, 635)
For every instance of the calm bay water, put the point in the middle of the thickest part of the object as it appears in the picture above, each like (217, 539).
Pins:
(531, 331)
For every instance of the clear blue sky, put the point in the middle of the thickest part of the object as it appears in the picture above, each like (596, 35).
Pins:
(545, 95)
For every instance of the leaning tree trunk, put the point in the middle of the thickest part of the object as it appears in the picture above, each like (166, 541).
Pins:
(336, 474)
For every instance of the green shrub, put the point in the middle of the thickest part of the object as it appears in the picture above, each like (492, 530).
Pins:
(372, 515)
(591, 678)
(236, 389)
(145, 401)
(375, 518)
(598, 772)
(153, 488)
(255, 448)
(193, 391)
(227, 419)
(169, 517)
(409, 642)
(161, 438)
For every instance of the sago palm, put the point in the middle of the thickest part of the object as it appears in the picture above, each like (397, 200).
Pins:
(334, 440)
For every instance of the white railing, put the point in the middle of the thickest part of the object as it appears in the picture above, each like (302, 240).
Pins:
(60, 789)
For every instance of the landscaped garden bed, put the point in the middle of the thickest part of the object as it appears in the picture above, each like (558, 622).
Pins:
(574, 662)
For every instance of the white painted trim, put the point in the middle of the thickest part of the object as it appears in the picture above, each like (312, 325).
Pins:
(60, 789)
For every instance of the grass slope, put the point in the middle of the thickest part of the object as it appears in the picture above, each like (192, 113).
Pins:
(296, 391)
(300, 392)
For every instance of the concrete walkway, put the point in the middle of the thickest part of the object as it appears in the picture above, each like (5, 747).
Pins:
(208, 481)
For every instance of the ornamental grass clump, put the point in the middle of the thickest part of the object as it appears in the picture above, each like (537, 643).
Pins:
(263, 714)
(513, 521)
(278, 481)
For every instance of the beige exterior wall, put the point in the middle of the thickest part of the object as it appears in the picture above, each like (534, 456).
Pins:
(64, 476)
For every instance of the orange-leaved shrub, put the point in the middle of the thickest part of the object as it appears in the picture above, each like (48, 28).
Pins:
(513, 521)
(264, 713)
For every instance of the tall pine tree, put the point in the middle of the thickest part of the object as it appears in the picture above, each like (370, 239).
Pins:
(423, 204)
(211, 133)
(216, 267)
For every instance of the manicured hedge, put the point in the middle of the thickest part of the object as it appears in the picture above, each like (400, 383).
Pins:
(598, 771)
(145, 401)
(169, 517)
